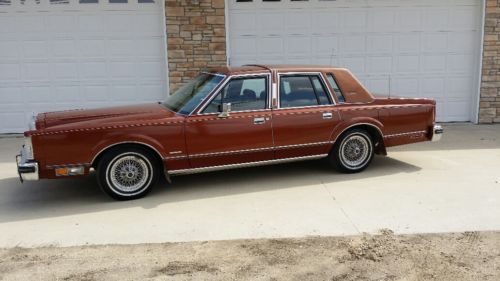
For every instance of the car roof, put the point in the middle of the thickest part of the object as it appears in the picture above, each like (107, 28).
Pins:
(258, 68)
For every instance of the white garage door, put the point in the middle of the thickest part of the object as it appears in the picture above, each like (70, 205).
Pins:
(422, 48)
(63, 54)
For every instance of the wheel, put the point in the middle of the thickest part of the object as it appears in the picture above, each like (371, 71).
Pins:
(352, 152)
(127, 173)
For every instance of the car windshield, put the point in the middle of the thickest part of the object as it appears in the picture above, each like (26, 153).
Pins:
(185, 99)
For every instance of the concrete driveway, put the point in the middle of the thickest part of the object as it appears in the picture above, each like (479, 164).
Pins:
(453, 185)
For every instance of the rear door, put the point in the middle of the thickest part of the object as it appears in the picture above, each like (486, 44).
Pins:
(305, 117)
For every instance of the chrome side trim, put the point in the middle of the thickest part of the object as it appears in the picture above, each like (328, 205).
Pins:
(405, 134)
(243, 165)
(126, 142)
(201, 155)
(437, 133)
(68, 165)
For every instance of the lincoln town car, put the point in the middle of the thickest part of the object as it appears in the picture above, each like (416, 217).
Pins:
(227, 117)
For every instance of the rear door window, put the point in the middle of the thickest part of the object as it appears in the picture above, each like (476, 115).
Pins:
(302, 90)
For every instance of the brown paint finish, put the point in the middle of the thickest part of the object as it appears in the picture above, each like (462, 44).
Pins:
(79, 137)
(214, 141)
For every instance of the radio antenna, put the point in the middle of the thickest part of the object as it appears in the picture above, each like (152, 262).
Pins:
(390, 84)
(331, 57)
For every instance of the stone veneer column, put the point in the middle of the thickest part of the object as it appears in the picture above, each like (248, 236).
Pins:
(489, 105)
(196, 38)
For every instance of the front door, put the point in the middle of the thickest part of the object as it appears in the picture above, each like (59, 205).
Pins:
(305, 117)
(244, 136)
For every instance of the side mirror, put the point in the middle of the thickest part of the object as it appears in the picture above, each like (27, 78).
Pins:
(226, 108)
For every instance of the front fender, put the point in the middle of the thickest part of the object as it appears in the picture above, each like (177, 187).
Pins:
(110, 141)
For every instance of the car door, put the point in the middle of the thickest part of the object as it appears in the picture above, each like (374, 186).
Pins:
(305, 117)
(245, 135)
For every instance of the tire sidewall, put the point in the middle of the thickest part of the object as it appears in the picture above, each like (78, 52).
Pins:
(104, 170)
(337, 151)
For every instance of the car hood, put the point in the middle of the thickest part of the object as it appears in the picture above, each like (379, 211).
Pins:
(100, 116)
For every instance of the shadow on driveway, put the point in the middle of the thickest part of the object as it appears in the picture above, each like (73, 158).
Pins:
(54, 198)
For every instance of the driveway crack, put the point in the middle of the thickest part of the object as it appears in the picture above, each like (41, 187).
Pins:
(340, 205)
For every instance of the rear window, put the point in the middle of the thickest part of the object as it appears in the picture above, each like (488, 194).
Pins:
(335, 86)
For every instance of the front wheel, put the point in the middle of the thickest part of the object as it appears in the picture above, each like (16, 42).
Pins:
(127, 173)
(352, 152)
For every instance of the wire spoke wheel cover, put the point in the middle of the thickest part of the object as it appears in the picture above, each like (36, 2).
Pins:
(129, 174)
(355, 151)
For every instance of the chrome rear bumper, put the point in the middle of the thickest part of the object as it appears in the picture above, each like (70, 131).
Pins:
(437, 132)
(26, 168)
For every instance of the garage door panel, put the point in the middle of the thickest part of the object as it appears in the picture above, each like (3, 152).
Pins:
(463, 19)
(421, 45)
(433, 86)
(325, 22)
(35, 49)
(298, 45)
(435, 19)
(435, 42)
(79, 55)
(353, 44)
(243, 23)
(460, 86)
(11, 120)
(65, 70)
(353, 21)
(379, 64)
(380, 43)
(407, 64)
(408, 20)
(460, 63)
(297, 22)
(270, 45)
(462, 42)
(67, 93)
(433, 63)
(326, 45)
(354, 64)
(8, 49)
(273, 22)
(63, 47)
(408, 43)
(381, 20)
(245, 46)
(150, 70)
(36, 71)
(9, 71)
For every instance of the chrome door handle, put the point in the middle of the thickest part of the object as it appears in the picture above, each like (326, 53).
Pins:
(327, 115)
(259, 120)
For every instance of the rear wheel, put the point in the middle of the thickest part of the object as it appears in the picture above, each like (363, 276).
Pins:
(353, 151)
(126, 173)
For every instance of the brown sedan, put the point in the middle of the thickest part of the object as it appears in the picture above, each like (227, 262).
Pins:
(226, 118)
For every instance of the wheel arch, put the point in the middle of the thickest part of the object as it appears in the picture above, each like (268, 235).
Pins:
(153, 150)
(373, 127)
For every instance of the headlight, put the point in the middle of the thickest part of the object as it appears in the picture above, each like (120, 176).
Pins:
(28, 148)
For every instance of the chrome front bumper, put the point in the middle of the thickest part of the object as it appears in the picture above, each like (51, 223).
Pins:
(26, 168)
(437, 132)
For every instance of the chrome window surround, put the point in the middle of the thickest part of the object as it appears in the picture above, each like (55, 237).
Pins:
(204, 103)
(315, 73)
